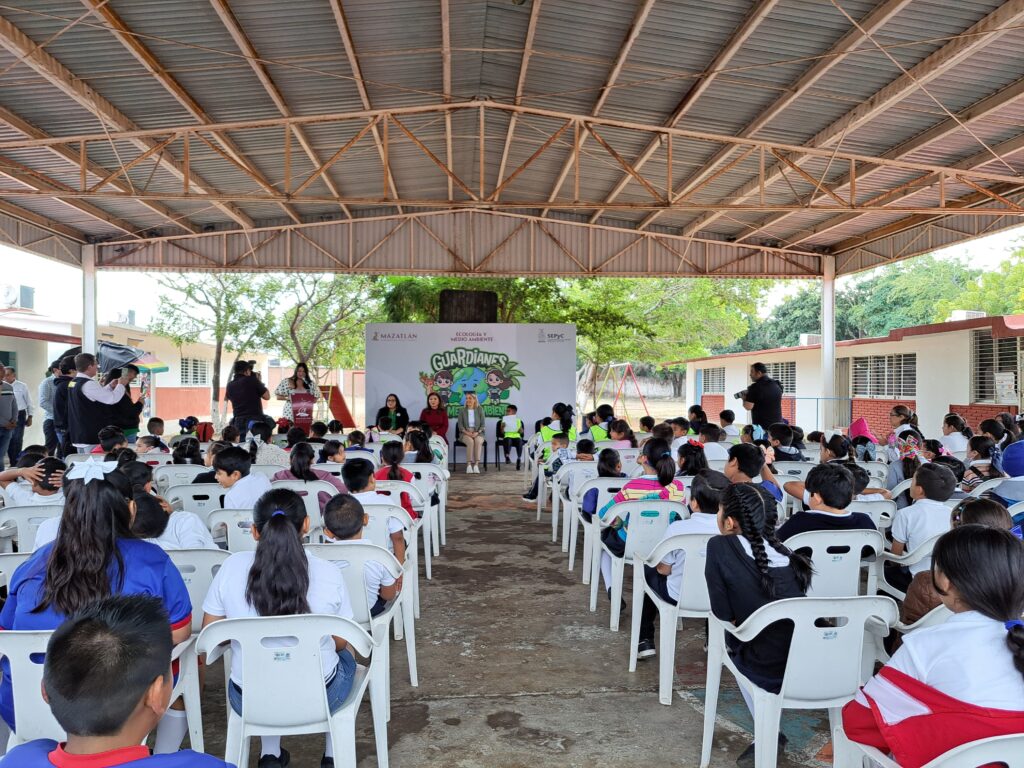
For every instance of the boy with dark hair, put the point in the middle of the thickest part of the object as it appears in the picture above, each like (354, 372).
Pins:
(111, 439)
(680, 432)
(357, 474)
(42, 486)
(666, 579)
(646, 424)
(663, 431)
(231, 470)
(559, 455)
(746, 464)
(781, 438)
(344, 520)
(710, 435)
(509, 434)
(828, 492)
(928, 516)
(107, 679)
(317, 432)
(727, 419)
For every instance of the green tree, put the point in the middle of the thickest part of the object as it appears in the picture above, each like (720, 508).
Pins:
(232, 311)
(999, 292)
(418, 299)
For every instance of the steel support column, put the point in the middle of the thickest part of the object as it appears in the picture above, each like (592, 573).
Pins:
(831, 412)
(89, 299)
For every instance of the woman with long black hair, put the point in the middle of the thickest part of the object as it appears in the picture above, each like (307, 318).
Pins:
(281, 579)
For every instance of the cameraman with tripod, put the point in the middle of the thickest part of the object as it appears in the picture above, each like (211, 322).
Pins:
(763, 398)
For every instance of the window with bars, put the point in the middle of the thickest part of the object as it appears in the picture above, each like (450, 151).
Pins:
(194, 372)
(885, 376)
(785, 374)
(713, 381)
(988, 357)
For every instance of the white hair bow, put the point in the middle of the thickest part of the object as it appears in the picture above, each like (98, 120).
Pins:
(87, 471)
(830, 433)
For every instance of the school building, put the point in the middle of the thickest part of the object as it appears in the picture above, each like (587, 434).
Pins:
(972, 366)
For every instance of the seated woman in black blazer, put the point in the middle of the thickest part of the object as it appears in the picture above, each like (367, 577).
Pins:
(393, 410)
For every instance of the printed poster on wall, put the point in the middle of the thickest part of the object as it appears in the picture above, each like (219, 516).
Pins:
(530, 366)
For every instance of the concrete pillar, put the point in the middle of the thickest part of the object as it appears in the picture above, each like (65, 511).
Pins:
(89, 299)
(832, 412)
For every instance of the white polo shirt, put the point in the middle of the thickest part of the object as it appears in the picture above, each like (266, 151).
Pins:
(375, 575)
(247, 491)
(917, 523)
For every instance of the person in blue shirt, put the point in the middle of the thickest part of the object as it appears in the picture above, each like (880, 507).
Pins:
(108, 702)
(746, 464)
(94, 556)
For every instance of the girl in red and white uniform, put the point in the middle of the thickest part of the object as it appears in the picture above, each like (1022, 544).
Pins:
(960, 681)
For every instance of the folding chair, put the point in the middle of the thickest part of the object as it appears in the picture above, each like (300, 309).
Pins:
(22, 523)
(24, 652)
(837, 557)
(824, 668)
(168, 475)
(292, 674)
(694, 602)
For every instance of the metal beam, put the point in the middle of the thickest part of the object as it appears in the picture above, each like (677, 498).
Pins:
(758, 13)
(230, 22)
(974, 39)
(38, 220)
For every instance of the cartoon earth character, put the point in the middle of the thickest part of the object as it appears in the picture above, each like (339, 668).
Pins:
(497, 384)
(443, 386)
(467, 380)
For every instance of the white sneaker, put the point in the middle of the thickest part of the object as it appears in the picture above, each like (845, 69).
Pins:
(469, 469)
(476, 469)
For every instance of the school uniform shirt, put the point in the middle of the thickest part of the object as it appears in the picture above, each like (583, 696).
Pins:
(946, 686)
(326, 594)
(375, 575)
(715, 452)
(247, 491)
(816, 520)
(22, 495)
(184, 531)
(734, 588)
(147, 571)
(698, 522)
(372, 497)
(954, 442)
(915, 524)
(731, 431)
(646, 487)
(46, 753)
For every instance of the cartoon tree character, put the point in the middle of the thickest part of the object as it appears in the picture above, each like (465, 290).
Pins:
(497, 383)
(443, 385)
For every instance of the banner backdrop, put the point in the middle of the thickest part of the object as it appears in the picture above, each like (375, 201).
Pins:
(529, 366)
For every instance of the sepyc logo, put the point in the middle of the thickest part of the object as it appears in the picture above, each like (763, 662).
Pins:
(545, 336)
(457, 372)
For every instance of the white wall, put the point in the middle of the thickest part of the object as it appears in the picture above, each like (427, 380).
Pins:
(32, 362)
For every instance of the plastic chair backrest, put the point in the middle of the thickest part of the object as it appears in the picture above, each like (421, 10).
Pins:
(169, 475)
(606, 487)
(648, 520)
(370, 457)
(24, 652)
(693, 596)
(330, 467)
(395, 488)
(238, 523)
(9, 562)
(159, 459)
(990, 485)
(197, 568)
(351, 558)
(281, 441)
(717, 464)
(281, 663)
(877, 470)
(76, 458)
(199, 498)
(836, 557)
(573, 475)
(792, 470)
(309, 491)
(998, 750)
(1016, 509)
(629, 458)
(26, 520)
(376, 528)
(874, 509)
(266, 469)
(375, 448)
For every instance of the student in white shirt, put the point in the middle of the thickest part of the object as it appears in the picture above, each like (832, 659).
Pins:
(357, 474)
(344, 520)
(928, 516)
(156, 523)
(710, 435)
(244, 488)
(41, 484)
(726, 419)
(680, 433)
(666, 579)
(281, 579)
(955, 433)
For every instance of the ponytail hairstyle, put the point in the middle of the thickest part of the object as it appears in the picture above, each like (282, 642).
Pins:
(906, 416)
(187, 451)
(987, 450)
(984, 564)
(334, 427)
(260, 432)
(95, 516)
(330, 448)
(909, 444)
(122, 456)
(659, 459)
(420, 443)
(150, 518)
(998, 432)
(139, 475)
(955, 421)
(934, 447)
(565, 416)
(839, 446)
(692, 458)
(609, 463)
(279, 577)
(1010, 423)
(357, 439)
(697, 418)
(754, 510)
(392, 453)
(621, 427)
(301, 461)
(604, 413)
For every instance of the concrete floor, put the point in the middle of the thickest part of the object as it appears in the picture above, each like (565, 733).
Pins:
(515, 671)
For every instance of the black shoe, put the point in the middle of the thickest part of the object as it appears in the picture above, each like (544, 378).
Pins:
(528, 497)
(746, 760)
(271, 761)
(517, 465)
(645, 648)
(508, 459)
(326, 762)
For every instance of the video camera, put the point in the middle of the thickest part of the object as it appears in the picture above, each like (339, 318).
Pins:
(741, 395)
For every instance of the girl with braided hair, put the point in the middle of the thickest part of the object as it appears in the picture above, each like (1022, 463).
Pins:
(747, 568)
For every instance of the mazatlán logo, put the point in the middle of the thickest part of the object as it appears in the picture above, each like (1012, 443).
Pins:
(459, 371)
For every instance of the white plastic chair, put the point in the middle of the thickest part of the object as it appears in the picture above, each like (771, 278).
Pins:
(936, 616)
(563, 501)
(269, 470)
(998, 750)
(837, 560)
(330, 467)
(877, 470)
(425, 523)
(309, 491)
(648, 520)
(630, 459)
(291, 674)
(693, 602)
(238, 524)
(824, 668)
(161, 459)
(76, 458)
(606, 488)
(376, 532)
(558, 481)
(24, 652)
(1016, 509)
(170, 475)
(531, 452)
(717, 464)
(22, 523)
(907, 558)
(9, 563)
(433, 478)
(199, 498)
(990, 485)
(791, 471)
(881, 512)
(373, 458)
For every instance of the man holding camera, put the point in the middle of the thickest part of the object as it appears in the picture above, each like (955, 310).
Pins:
(763, 398)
